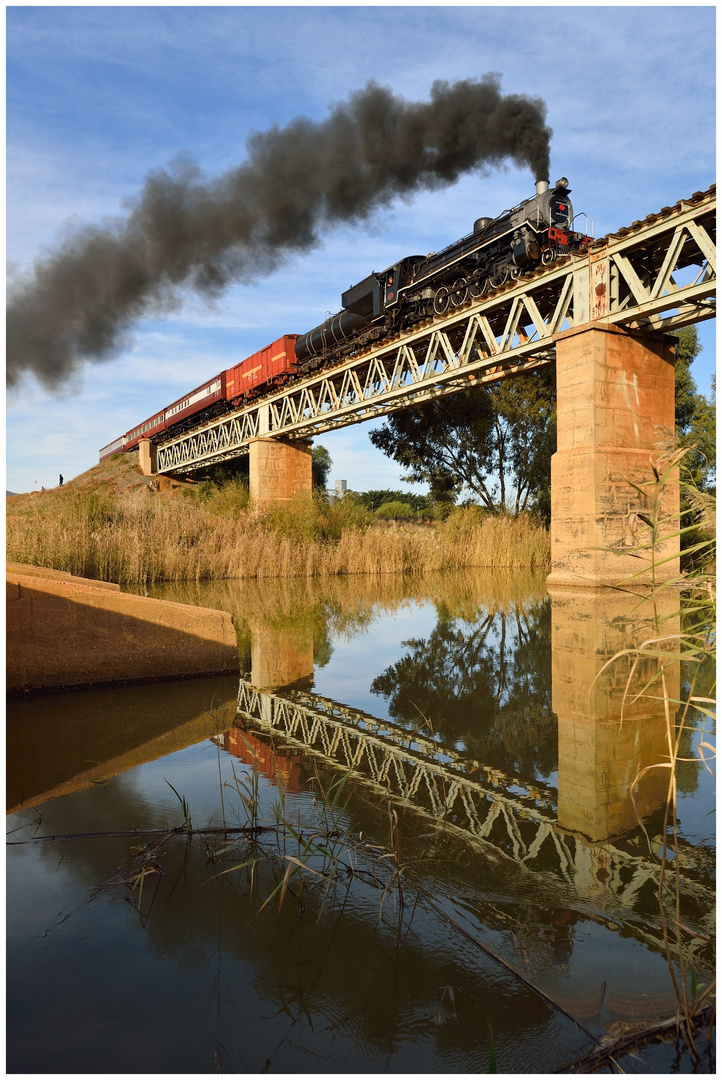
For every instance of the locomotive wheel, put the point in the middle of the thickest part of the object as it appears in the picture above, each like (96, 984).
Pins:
(499, 275)
(459, 293)
(441, 301)
(515, 273)
(548, 256)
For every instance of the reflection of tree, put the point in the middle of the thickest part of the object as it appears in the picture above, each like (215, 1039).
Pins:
(485, 685)
(330, 619)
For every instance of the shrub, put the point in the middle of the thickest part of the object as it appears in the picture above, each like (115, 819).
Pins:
(395, 509)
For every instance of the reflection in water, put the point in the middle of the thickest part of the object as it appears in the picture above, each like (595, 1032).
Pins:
(275, 765)
(497, 744)
(609, 732)
(489, 663)
(473, 742)
(58, 743)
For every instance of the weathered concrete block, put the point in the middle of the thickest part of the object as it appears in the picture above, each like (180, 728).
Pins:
(615, 406)
(65, 632)
(148, 457)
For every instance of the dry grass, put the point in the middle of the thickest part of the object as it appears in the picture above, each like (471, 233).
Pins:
(136, 536)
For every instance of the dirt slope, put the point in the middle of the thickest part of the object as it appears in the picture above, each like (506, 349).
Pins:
(120, 473)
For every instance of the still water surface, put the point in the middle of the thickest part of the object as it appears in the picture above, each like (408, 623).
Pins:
(446, 872)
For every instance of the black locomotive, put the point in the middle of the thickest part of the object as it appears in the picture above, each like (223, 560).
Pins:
(420, 286)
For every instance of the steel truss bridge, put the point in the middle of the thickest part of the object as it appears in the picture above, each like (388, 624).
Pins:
(658, 274)
(509, 818)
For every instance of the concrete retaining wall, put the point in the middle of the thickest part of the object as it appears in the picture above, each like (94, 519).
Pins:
(67, 632)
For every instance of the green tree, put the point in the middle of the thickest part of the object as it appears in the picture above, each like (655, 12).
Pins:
(376, 497)
(694, 414)
(320, 466)
(488, 441)
(445, 442)
(395, 509)
(525, 419)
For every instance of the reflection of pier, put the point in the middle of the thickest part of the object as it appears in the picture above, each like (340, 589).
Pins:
(280, 655)
(609, 732)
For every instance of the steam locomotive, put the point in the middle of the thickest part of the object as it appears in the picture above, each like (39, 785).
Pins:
(418, 287)
(499, 249)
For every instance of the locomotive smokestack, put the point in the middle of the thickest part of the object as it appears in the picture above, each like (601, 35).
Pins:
(542, 186)
(185, 231)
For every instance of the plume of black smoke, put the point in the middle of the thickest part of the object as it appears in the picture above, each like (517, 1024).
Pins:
(185, 231)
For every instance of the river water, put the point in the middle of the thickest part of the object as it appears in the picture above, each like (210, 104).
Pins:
(448, 808)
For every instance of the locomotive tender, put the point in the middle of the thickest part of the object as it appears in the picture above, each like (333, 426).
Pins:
(536, 232)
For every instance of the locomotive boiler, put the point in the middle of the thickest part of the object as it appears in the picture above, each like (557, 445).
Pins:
(417, 287)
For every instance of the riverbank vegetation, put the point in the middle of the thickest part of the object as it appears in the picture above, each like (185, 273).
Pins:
(679, 658)
(207, 531)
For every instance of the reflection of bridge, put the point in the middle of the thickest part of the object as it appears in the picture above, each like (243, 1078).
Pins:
(580, 836)
(510, 818)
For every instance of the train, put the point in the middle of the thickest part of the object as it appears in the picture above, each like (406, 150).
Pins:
(416, 288)
(269, 368)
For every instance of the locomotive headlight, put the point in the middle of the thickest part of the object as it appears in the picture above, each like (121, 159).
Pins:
(562, 183)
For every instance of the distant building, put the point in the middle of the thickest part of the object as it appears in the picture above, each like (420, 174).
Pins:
(338, 492)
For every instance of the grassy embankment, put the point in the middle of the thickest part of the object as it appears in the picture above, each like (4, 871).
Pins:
(111, 524)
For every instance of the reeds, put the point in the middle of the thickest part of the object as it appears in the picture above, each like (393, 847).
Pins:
(140, 537)
(693, 647)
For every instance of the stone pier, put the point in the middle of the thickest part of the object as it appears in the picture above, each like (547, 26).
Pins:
(615, 409)
(148, 457)
(279, 471)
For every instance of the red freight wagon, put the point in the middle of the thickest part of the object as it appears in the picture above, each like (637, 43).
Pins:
(268, 367)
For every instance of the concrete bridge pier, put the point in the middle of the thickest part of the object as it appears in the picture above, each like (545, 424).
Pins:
(615, 408)
(148, 457)
(279, 471)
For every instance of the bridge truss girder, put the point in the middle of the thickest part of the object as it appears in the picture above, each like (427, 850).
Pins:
(658, 275)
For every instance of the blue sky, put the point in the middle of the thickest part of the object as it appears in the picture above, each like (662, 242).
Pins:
(98, 97)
